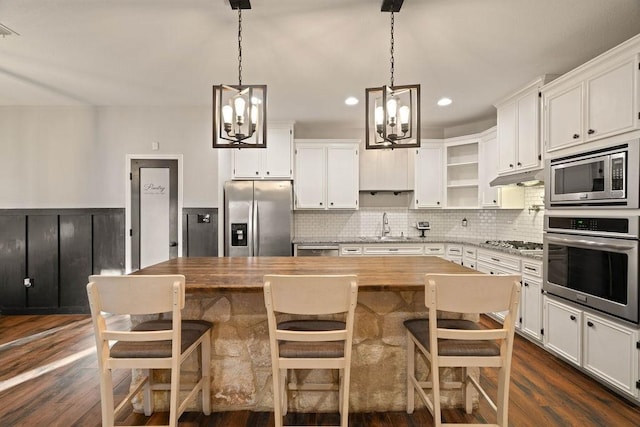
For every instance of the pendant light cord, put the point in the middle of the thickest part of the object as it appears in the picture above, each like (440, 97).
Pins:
(392, 41)
(239, 46)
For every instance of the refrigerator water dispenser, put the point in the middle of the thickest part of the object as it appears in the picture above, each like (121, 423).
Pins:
(239, 234)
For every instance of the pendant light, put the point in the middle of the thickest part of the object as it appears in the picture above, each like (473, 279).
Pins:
(239, 111)
(393, 112)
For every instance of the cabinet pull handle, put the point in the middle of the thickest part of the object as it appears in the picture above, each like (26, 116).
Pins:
(495, 259)
(591, 131)
(393, 249)
(590, 324)
(576, 136)
(529, 268)
(572, 317)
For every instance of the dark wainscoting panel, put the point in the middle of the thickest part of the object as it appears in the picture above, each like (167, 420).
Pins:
(13, 258)
(42, 261)
(199, 232)
(109, 242)
(57, 249)
(75, 259)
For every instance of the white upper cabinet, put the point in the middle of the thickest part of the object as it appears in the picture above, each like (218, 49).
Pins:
(519, 145)
(386, 170)
(273, 162)
(507, 197)
(342, 176)
(428, 186)
(326, 174)
(596, 100)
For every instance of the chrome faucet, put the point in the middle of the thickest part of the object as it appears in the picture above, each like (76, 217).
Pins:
(386, 229)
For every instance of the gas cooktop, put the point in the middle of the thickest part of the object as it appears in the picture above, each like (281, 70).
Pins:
(514, 244)
(519, 245)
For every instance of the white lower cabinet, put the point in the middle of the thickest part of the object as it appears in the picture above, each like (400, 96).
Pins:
(494, 262)
(563, 330)
(469, 257)
(531, 299)
(609, 350)
(454, 253)
(604, 348)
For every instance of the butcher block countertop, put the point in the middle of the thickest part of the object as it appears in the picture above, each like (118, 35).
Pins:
(246, 273)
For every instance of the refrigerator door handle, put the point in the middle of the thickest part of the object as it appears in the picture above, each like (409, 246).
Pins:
(251, 229)
(256, 229)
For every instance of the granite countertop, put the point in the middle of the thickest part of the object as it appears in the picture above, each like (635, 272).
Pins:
(411, 239)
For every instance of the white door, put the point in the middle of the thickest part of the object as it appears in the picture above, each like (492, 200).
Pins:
(154, 211)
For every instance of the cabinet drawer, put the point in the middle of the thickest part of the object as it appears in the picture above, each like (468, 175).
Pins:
(484, 267)
(531, 268)
(374, 250)
(454, 250)
(500, 259)
(434, 249)
(350, 250)
(469, 252)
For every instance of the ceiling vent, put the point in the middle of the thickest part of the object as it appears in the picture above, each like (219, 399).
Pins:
(6, 31)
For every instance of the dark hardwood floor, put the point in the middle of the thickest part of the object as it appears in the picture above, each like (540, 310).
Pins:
(545, 391)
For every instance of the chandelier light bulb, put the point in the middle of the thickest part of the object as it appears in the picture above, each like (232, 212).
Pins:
(404, 114)
(379, 116)
(392, 111)
(239, 104)
(254, 114)
(227, 114)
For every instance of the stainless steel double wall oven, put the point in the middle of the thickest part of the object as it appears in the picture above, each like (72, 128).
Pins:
(592, 229)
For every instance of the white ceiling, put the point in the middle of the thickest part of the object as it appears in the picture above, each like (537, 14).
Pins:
(312, 54)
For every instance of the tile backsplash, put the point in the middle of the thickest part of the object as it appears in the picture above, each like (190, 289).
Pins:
(482, 224)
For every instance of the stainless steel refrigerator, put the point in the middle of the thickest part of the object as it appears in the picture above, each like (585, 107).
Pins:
(258, 218)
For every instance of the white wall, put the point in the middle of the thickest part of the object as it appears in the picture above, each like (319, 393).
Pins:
(75, 157)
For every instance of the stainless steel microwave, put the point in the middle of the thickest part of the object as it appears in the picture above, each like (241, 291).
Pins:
(607, 177)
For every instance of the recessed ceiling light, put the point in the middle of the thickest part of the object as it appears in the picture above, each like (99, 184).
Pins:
(352, 100)
(444, 102)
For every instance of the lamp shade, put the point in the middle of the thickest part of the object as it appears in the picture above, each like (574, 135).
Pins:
(239, 116)
(393, 117)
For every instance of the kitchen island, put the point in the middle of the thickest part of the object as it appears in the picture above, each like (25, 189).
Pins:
(228, 292)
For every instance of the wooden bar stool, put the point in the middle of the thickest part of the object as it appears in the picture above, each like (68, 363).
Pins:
(154, 344)
(311, 337)
(463, 343)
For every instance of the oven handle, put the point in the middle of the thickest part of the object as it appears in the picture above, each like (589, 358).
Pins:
(587, 243)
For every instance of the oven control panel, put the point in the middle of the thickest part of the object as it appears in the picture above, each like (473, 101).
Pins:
(610, 225)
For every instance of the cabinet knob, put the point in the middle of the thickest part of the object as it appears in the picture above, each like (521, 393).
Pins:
(526, 285)
(331, 203)
(572, 317)
(257, 173)
(495, 201)
(437, 203)
(268, 172)
(590, 324)
(510, 165)
(320, 203)
(519, 164)
(576, 136)
(591, 131)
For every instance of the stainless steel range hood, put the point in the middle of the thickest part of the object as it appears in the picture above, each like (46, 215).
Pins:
(533, 177)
